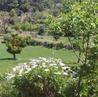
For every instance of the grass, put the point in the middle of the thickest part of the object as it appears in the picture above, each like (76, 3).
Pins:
(32, 52)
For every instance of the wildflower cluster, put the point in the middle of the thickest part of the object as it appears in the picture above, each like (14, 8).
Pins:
(43, 77)
(46, 65)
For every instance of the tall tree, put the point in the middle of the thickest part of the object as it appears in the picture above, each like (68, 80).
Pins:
(81, 22)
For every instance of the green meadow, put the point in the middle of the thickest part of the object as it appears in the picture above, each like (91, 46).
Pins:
(6, 61)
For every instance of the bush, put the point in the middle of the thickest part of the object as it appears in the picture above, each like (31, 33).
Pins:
(50, 45)
(25, 26)
(40, 78)
(59, 45)
(70, 90)
(41, 30)
(6, 88)
(17, 26)
(76, 46)
(28, 40)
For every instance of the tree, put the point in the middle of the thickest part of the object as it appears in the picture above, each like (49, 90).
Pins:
(25, 6)
(14, 44)
(81, 21)
(54, 27)
(13, 4)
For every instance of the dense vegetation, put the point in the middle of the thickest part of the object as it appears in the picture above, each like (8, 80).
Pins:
(62, 26)
(25, 5)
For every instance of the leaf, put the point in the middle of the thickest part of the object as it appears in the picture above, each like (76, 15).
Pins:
(96, 7)
(94, 25)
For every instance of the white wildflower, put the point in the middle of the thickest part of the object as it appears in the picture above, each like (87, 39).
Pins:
(20, 72)
(58, 73)
(10, 76)
(65, 68)
(53, 64)
(14, 69)
(34, 66)
(62, 64)
(65, 73)
(46, 70)
(28, 70)
(42, 63)
(39, 76)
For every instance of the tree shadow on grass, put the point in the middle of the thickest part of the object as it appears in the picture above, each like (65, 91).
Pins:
(6, 59)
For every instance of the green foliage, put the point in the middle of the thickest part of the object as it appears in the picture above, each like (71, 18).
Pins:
(13, 4)
(59, 45)
(12, 13)
(39, 85)
(14, 44)
(13, 16)
(6, 88)
(25, 26)
(81, 20)
(41, 30)
(71, 88)
(25, 6)
(81, 23)
(54, 27)
(41, 78)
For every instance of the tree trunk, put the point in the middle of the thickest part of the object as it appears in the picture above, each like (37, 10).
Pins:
(79, 86)
(79, 58)
(14, 56)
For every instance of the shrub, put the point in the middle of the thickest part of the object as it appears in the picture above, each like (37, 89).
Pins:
(17, 26)
(6, 88)
(40, 78)
(50, 45)
(41, 30)
(59, 45)
(25, 26)
(70, 90)
(28, 40)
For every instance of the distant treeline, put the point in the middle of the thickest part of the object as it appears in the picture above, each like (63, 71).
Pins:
(27, 5)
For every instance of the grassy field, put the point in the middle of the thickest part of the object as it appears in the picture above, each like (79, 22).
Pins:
(32, 52)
